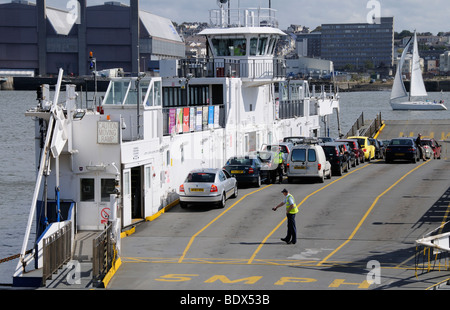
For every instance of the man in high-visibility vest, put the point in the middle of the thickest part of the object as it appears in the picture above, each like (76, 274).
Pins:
(291, 211)
(279, 162)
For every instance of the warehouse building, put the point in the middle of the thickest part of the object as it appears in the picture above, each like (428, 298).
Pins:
(36, 39)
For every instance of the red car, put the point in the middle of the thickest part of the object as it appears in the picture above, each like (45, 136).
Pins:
(359, 153)
(434, 146)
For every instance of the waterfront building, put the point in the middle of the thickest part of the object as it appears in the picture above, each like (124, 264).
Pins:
(359, 46)
(309, 67)
(444, 63)
(39, 39)
(309, 44)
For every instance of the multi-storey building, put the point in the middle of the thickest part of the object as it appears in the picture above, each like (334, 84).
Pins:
(359, 46)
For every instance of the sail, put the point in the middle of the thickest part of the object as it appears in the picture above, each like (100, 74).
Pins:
(398, 88)
(417, 85)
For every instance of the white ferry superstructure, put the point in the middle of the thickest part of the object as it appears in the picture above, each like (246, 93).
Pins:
(123, 161)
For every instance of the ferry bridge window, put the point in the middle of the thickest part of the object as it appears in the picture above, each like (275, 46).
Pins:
(153, 95)
(107, 188)
(87, 190)
(230, 47)
(117, 92)
(258, 46)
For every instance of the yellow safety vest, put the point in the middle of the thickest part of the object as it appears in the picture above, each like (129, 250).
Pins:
(294, 210)
(279, 158)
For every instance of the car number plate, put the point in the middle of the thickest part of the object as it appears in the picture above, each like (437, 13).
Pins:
(237, 171)
(399, 154)
(197, 190)
(299, 167)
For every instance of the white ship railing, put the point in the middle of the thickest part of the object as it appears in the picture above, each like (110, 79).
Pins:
(238, 68)
(248, 17)
(433, 252)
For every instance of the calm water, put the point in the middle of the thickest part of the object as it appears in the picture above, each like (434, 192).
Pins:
(17, 164)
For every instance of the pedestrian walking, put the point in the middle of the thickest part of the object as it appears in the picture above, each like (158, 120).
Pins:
(420, 147)
(291, 211)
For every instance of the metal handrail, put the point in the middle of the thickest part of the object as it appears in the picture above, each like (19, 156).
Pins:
(103, 255)
(57, 251)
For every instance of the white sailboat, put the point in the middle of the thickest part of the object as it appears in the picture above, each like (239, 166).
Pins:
(417, 88)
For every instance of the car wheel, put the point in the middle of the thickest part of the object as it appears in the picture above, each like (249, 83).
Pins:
(183, 205)
(223, 201)
(258, 181)
(235, 194)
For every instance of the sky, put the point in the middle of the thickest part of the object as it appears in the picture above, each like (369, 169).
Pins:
(423, 16)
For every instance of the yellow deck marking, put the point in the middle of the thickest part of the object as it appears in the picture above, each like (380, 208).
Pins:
(210, 223)
(367, 214)
(250, 261)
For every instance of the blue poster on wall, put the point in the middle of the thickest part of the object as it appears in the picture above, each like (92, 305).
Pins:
(211, 117)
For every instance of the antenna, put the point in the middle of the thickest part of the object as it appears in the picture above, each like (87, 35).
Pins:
(221, 3)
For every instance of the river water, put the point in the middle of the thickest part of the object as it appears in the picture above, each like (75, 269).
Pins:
(17, 154)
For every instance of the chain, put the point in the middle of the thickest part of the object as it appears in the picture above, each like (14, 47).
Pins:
(4, 260)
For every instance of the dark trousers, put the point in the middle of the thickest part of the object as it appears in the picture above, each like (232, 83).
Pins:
(280, 173)
(291, 229)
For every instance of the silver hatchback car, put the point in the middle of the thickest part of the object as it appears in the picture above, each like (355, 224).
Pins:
(208, 186)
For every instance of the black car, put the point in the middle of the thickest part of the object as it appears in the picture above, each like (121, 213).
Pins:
(246, 169)
(336, 157)
(402, 148)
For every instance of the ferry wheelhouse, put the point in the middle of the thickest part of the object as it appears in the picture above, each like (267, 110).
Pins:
(123, 161)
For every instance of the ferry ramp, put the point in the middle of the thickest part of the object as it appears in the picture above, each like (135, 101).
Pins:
(436, 129)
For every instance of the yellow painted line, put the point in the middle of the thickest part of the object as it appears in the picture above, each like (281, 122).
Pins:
(162, 211)
(210, 223)
(368, 212)
(252, 258)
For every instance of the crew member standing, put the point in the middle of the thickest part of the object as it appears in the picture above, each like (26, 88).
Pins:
(291, 211)
(279, 161)
(419, 145)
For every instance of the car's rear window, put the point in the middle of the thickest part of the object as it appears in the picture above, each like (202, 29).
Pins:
(331, 150)
(299, 155)
(362, 142)
(312, 155)
(201, 177)
(240, 161)
(401, 142)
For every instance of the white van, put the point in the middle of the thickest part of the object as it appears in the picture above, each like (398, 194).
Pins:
(308, 161)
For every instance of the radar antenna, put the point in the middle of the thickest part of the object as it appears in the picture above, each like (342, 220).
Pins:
(221, 3)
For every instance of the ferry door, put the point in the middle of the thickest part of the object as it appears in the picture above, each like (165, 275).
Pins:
(126, 194)
(148, 190)
(132, 195)
(94, 204)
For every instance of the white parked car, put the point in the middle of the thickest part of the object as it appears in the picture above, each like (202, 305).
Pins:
(210, 186)
(308, 161)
